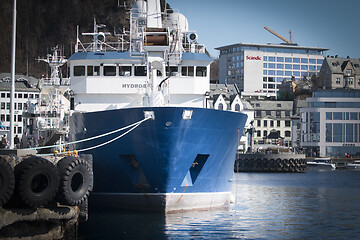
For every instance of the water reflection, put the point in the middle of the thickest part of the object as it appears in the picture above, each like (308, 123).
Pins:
(267, 206)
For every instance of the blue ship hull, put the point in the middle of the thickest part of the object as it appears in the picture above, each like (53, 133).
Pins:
(165, 164)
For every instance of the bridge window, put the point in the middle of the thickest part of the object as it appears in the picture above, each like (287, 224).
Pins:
(172, 71)
(187, 71)
(109, 70)
(79, 71)
(140, 71)
(201, 71)
(125, 71)
(93, 70)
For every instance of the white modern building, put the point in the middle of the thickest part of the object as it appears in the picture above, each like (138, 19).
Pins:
(330, 123)
(259, 69)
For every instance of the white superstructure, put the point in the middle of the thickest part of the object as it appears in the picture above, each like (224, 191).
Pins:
(159, 63)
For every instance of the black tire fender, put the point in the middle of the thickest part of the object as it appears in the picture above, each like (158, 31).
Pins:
(76, 180)
(7, 181)
(37, 181)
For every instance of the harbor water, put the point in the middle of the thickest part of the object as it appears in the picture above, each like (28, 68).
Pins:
(318, 204)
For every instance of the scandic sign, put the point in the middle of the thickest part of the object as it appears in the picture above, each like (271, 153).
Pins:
(253, 58)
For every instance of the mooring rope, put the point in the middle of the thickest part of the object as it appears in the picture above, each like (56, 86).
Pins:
(102, 144)
(133, 125)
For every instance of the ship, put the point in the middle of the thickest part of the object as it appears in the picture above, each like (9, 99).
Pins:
(140, 107)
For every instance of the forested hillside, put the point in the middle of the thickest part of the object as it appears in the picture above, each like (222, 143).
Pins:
(43, 24)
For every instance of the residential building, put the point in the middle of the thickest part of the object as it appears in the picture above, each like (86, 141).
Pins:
(340, 73)
(226, 97)
(259, 69)
(272, 122)
(330, 123)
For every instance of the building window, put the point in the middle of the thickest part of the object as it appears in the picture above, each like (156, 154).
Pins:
(268, 112)
(2, 118)
(271, 65)
(280, 59)
(3, 95)
(287, 113)
(271, 123)
(19, 118)
(287, 123)
(349, 81)
(304, 67)
(19, 130)
(265, 133)
(328, 132)
(337, 81)
(337, 116)
(278, 123)
(337, 132)
(288, 60)
(304, 60)
(280, 66)
(258, 113)
(7, 105)
(348, 71)
(328, 115)
(259, 123)
(271, 59)
(278, 113)
(220, 106)
(265, 123)
(258, 133)
(287, 133)
(2, 105)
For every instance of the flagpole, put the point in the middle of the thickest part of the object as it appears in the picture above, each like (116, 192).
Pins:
(12, 87)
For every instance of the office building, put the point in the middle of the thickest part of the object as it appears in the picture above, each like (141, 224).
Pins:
(330, 123)
(259, 69)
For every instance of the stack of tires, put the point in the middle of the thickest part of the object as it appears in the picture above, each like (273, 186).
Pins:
(37, 182)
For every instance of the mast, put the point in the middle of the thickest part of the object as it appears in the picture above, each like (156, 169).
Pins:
(156, 43)
(12, 87)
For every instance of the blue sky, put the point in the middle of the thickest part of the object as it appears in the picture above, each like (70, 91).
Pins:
(332, 24)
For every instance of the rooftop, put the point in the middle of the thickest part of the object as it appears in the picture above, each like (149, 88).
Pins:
(272, 45)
